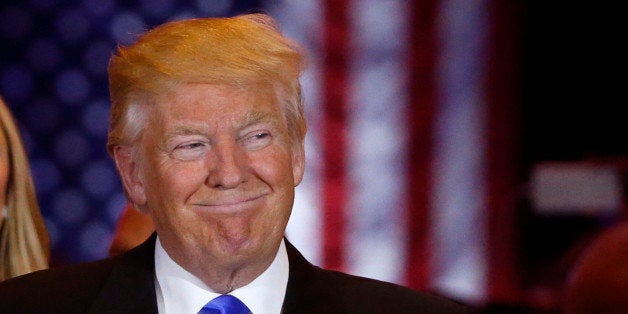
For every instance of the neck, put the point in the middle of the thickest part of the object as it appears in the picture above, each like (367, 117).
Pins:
(223, 275)
(224, 280)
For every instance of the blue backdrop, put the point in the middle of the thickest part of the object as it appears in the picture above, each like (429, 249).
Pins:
(53, 75)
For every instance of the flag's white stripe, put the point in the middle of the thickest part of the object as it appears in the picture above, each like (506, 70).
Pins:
(302, 20)
(460, 161)
(376, 151)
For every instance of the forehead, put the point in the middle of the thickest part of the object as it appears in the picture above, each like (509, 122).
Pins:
(215, 104)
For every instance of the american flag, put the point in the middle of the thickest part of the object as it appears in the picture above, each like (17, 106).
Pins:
(404, 179)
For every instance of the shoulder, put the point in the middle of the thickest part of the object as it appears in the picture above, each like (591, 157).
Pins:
(312, 289)
(46, 289)
(379, 296)
(103, 286)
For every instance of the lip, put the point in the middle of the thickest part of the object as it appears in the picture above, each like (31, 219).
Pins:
(229, 205)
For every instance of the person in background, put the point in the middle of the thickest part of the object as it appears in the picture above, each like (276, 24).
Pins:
(23, 236)
(207, 133)
(598, 282)
(132, 229)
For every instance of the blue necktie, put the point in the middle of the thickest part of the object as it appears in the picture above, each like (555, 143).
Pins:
(225, 304)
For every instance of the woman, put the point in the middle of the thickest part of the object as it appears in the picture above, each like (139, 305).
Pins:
(24, 243)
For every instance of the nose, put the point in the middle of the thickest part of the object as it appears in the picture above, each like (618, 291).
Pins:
(227, 166)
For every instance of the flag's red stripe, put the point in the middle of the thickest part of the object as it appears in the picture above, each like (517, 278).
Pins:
(334, 130)
(503, 282)
(422, 98)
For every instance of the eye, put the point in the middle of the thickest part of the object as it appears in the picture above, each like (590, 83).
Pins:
(190, 146)
(256, 140)
(191, 150)
(261, 135)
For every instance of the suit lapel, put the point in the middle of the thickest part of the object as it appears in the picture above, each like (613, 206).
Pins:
(309, 290)
(130, 287)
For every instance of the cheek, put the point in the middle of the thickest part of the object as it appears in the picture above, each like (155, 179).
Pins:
(275, 170)
(172, 181)
(168, 189)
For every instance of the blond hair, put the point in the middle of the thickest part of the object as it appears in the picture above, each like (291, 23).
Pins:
(24, 242)
(246, 50)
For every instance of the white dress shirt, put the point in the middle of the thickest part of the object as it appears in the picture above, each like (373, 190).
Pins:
(178, 291)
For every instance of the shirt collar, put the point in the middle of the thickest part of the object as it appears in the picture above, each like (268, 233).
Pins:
(178, 291)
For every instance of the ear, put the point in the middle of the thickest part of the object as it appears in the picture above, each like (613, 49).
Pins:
(129, 173)
(298, 162)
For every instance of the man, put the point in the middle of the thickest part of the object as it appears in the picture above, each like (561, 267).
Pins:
(207, 132)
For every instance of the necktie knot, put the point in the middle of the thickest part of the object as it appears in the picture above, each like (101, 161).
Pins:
(225, 304)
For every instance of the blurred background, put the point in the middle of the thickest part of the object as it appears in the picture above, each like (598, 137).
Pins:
(469, 148)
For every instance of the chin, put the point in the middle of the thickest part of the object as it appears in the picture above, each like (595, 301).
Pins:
(248, 248)
(236, 246)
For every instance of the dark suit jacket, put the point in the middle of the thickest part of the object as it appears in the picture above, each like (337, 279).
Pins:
(125, 284)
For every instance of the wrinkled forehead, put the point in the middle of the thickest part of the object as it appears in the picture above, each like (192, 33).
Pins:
(218, 95)
(203, 103)
(194, 93)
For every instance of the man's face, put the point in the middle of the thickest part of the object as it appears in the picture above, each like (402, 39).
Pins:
(216, 171)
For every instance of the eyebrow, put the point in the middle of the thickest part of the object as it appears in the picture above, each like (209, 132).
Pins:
(250, 118)
(260, 116)
(179, 131)
(183, 130)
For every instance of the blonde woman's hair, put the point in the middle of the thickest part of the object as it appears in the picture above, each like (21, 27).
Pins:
(246, 50)
(24, 242)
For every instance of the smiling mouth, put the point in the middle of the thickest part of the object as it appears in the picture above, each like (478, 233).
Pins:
(229, 204)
